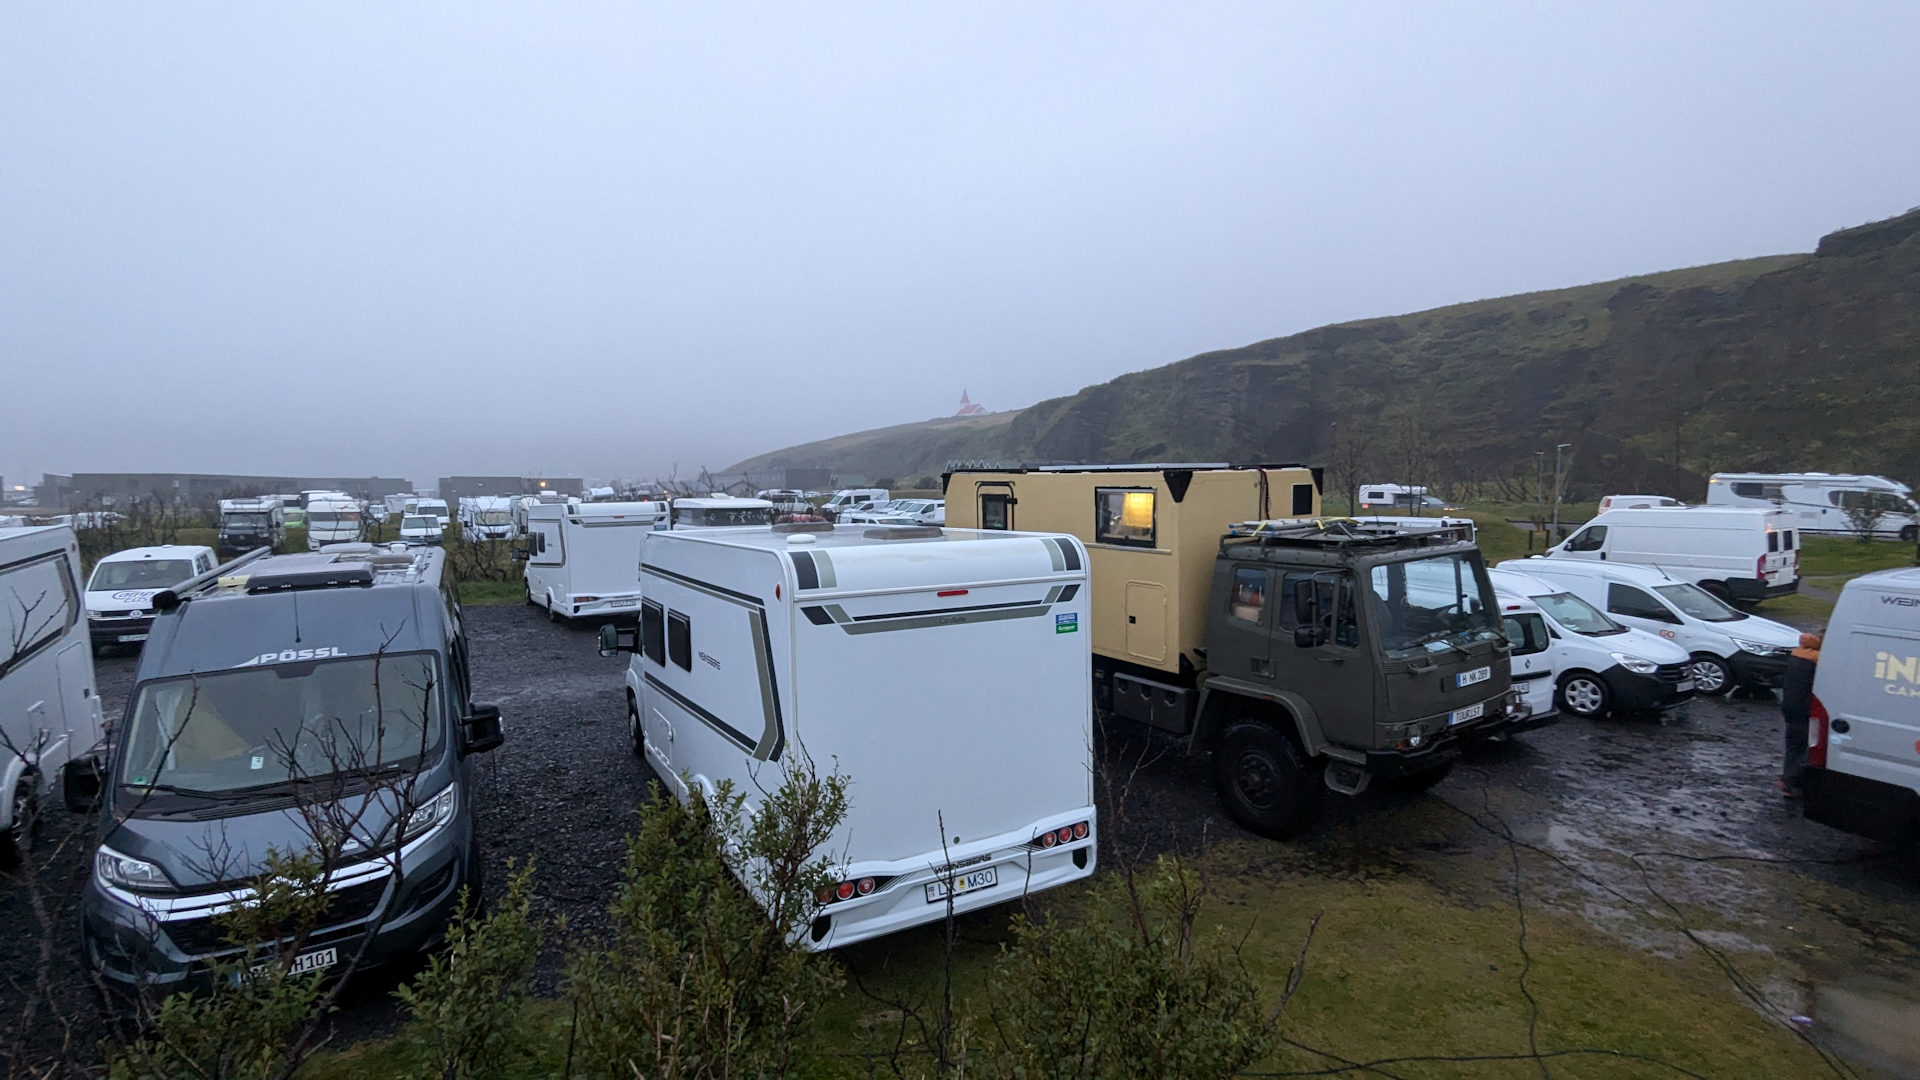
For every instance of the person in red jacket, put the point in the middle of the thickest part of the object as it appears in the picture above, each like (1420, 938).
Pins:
(1796, 704)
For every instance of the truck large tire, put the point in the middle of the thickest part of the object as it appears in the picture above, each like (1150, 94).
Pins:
(1265, 781)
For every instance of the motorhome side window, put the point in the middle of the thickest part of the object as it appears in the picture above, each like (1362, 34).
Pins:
(1526, 633)
(1592, 538)
(653, 631)
(996, 511)
(1248, 598)
(40, 606)
(1123, 517)
(1627, 600)
(1749, 489)
(680, 640)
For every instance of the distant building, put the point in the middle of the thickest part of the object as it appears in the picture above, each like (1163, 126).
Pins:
(967, 407)
(454, 488)
(791, 477)
(83, 490)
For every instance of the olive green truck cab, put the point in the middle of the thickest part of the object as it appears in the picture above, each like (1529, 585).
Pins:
(1303, 654)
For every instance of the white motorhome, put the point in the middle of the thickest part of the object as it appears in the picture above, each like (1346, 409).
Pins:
(1376, 498)
(582, 558)
(1822, 503)
(120, 593)
(969, 751)
(1729, 647)
(335, 521)
(486, 517)
(1863, 744)
(1738, 555)
(50, 722)
(847, 500)
(719, 512)
(1636, 502)
(1600, 666)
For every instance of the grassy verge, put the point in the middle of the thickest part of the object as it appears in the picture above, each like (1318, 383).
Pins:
(1826, 556)
(493, 592)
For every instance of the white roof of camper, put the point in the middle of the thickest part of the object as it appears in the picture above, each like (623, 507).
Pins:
(866, 557)
(648, 511)
(723, 502)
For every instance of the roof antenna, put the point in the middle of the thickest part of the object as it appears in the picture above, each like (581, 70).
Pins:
(296, 616)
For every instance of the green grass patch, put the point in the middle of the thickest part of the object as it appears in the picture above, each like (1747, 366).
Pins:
(493, 592)
(1823, 556)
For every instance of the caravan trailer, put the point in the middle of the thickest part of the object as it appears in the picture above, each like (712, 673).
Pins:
(51, 731)
(582, 557)
(969, 750)
(1822, 502)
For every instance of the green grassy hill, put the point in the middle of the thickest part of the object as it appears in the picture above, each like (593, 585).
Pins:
(1807, 361)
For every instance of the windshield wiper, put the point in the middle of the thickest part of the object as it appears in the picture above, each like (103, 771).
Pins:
(171, 789)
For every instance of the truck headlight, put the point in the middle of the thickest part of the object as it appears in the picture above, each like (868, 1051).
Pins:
(1759, 648)
(126, 872)
(431, 814)
(1635, 664)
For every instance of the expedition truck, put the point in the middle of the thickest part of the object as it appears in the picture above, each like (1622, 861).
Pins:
(1304, 655)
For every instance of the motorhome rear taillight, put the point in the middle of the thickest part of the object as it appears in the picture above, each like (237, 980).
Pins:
(1066, 833)
(1080, 831)
(866, 885)
(1817, 734)
(1047, 839)
(845, 890)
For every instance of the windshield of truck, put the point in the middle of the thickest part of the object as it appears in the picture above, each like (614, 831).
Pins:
(246, 521)
(1577, 615)
(141, 574)
(1423, 603)
(1699, 603)
(331, 519)
(255, 727)
(492, 517)
(715, 515)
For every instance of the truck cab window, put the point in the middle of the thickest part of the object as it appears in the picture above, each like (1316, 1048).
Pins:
(1248, 598)
(1123, 517)
(1592, 538)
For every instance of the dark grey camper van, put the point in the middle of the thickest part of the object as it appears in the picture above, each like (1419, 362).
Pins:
(292, 704)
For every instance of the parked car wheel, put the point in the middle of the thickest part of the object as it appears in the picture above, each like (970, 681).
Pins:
(1265, 781)
(634, 734)
(1711, 678)
(1719, 591)
(17, 841)
(1584, 695)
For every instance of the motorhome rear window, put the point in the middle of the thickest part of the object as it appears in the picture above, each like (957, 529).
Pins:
(1773, 541)
(1123, 516)
(680, 640)
(653, 631)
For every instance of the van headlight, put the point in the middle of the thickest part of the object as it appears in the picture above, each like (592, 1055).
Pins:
(126, 872)
(1635, 664)
(431, 814)
(1759, 648)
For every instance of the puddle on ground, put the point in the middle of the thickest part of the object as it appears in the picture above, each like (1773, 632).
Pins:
(1868, 1021)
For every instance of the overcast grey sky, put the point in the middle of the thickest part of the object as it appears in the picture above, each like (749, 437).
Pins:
(602, 239)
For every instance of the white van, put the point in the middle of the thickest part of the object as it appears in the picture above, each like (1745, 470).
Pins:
(120, 593)
(1729, 647)
(1737, 555)
(486, 517)
(1863, 745)
(335, 521)
(1636, 502)
(1601, 666)
(436, 507)
(847, 500)
(719, 512)
(50, 722)
(420, 530)
(1387, 498)
(1819, 502)
(1533, 654)
(969, 751)
(583, 558)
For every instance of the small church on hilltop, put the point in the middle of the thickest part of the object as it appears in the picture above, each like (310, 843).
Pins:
(967, 407)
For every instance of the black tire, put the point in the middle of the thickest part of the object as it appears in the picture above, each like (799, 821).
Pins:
(1266, 783)
(638, 737)
(17, 841)
(1414, 783)
(1719, 591)
(1711, 676)
(1584, 694)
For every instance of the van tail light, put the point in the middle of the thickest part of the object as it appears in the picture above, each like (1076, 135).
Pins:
(1817, 734)
(1760, 567)
(1796, 562)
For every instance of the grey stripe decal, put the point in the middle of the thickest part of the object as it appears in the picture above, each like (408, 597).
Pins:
(824, 564)
(804, 571)
(712, 721)
(1053, 552)
(926, 622)
(771, 739)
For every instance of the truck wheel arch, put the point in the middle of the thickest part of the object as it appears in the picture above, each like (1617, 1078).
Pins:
(1218, 709)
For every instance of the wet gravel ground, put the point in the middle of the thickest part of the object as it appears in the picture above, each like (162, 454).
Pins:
(1690, 796)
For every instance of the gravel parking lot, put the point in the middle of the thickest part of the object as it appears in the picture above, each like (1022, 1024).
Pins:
(1682, 810)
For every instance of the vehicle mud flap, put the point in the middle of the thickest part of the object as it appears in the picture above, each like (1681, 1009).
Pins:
(1347, 778)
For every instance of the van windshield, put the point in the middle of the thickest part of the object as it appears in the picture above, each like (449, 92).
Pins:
(255, 727)
(420, 521)
(245, 520)
(1698, 603)
(714, 515)
(1438, 598)
(141, 574)
(331, 518)
(492, 517)
(1577, 615)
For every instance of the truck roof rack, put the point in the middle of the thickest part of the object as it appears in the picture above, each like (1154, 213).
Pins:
(1334, 532)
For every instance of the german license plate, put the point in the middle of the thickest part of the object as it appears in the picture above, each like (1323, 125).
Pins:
(1477, 675)
(1471, 712)
(317, 960)
(984, 878)
(133, 637)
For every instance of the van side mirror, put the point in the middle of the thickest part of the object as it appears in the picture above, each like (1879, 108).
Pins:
(615, 640)
(483, 730)
(1307, 631)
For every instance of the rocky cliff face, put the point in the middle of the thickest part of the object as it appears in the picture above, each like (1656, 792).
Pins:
(1789, 362)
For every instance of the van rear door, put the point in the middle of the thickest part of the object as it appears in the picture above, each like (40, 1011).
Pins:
(1873, 681)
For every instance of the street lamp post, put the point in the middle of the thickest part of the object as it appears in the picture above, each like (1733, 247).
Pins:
(1557, 481)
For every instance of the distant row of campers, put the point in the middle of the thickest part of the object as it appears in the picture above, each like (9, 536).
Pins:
(310, 702)
(1824, 503)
